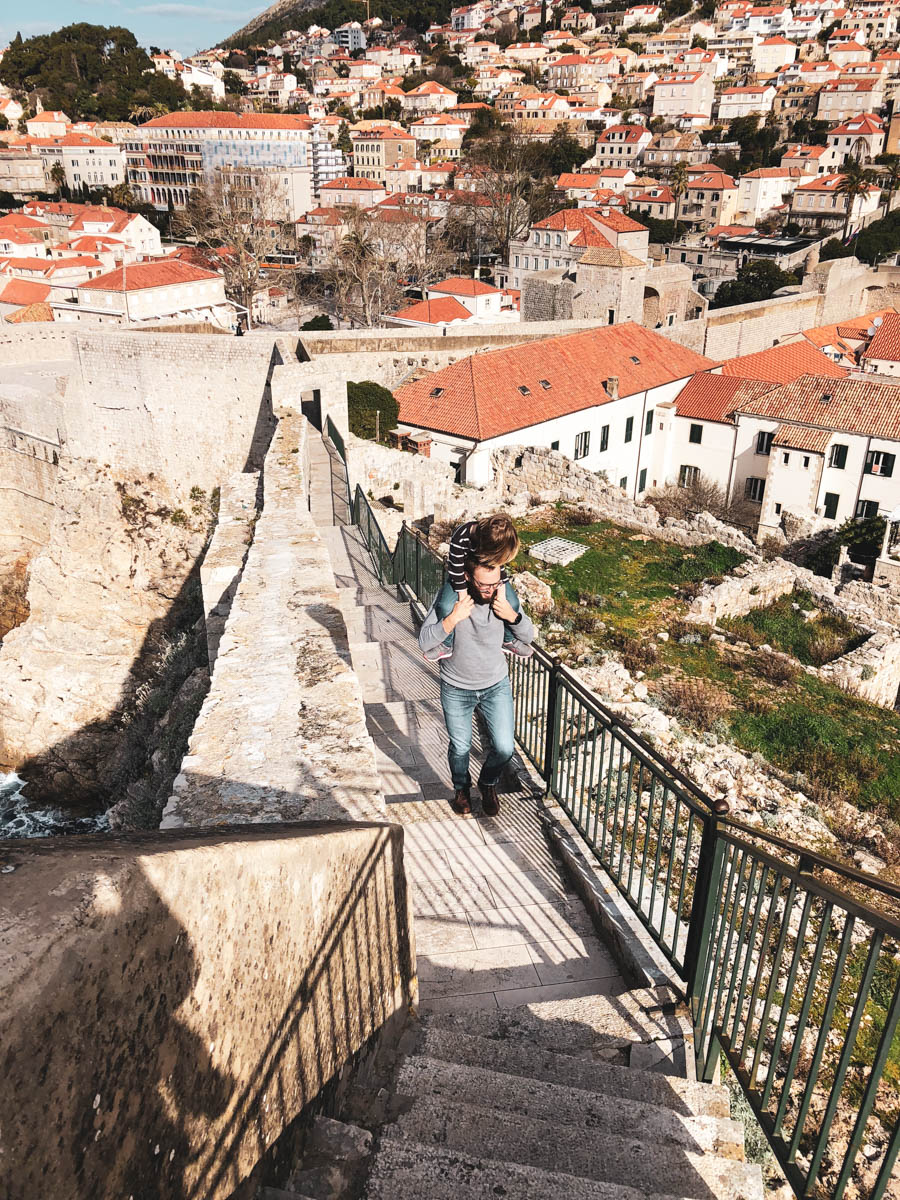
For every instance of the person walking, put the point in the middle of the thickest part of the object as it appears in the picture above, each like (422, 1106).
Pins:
(475, 677)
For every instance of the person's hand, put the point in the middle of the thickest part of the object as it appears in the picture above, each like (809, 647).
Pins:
(460, 611)
(502, 607)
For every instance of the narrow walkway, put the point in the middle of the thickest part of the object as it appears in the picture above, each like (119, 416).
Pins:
(496, 922)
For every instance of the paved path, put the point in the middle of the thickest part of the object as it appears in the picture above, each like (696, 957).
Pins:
(496, 922)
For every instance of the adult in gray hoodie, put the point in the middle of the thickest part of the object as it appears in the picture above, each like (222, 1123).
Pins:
(475, 676)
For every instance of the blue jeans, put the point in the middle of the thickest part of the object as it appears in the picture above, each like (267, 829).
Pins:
(447, 597)
(496, 707)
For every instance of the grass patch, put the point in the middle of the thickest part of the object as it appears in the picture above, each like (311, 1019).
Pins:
(631, 580)
(784, 628)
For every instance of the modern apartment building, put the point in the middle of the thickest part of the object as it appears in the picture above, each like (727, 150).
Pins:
(172, 154)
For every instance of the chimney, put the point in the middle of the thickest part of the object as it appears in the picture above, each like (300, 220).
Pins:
(612, 387)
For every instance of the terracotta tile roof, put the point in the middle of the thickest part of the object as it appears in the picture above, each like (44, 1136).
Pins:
(24, 291)
(31, 313)
(434, 312)
(842, 405)
(709, 397)
(137, 276)
(783, 364)
(618, 221)
(480, 397)
(457, 285)
(346, 184)
(799, 437)
(885, 345)
(601, 256)
(576, 179)
(228, 120)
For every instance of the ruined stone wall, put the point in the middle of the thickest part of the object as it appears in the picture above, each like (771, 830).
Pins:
(171, 1003)
(750, 586)
(871, 671)
(549, 476)
(282, 733)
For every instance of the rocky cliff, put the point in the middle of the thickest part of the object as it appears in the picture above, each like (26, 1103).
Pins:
(99, 687)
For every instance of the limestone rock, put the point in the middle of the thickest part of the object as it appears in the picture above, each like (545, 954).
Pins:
(534, 593)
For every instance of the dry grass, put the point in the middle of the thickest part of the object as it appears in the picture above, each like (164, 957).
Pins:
(776, 668)
(698, 701)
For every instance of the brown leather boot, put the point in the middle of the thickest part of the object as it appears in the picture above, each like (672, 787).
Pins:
(490, 803)
(460, 803)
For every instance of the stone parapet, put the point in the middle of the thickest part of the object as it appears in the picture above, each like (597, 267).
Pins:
(224, 559)
(173, 1006)
(282, 733)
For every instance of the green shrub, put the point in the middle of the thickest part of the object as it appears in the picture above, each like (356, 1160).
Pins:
(321, 323)
(366, 399)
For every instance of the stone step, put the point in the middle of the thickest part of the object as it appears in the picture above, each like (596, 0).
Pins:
(535, 1062)
(406, 1170)
(580, 1026)
(599, 1113)
(550, 1146)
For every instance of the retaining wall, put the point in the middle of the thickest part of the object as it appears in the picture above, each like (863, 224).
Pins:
(282, 732)
(173, 1005)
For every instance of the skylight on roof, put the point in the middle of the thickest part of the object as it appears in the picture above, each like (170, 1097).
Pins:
(635, 360)
(545, 383)
(526, 391)
(436, 392)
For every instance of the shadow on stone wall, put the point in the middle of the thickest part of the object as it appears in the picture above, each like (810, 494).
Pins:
(176, 1006)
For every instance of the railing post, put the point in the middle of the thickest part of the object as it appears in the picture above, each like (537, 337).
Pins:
(418, 569)
(551, 732)
(704, 909)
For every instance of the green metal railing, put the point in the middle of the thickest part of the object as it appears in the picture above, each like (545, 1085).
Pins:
(791, 961)
(332, 432)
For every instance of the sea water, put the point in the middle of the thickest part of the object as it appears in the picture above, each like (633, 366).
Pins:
(20, 819)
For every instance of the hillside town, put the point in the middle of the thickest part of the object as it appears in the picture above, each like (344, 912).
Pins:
(380, 366)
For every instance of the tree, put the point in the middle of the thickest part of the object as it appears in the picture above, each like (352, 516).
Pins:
(58, 175)
(121, 196)
(234, 85)
(364, 401)
(678, 182)
(888, 177)
(506, 165)
(344, 141)
(854, 184)
(321, 323)
(758, 279)
(237, 221)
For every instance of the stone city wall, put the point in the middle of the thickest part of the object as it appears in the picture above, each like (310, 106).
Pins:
(226, 553)
(172, 1003)
(190, 410)
(423, 486)
(36, 345)
(282, 732)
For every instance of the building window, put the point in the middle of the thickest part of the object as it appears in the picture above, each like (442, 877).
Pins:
(696, 434)
(642, 479)
(785, 458)
(764, 442)
(832, 499)
(688, 476)
(805, 462)
(777, 510)
(648, 424)
(866, 508)
(582, 443)
(754, 489)
(623, 483)
(878, 462)
(611, 317)
(604, 438)
(554, 445)
(838, 457)
(517, 260)
(629, 429)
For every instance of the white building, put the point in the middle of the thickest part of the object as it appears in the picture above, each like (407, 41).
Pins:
(350, 36)
(819, 447)
(87, 160)
(773, 53)
(745, 101)
(151, 291)
(764, 190)
(591, 395)
(641, 14)
(685, 92)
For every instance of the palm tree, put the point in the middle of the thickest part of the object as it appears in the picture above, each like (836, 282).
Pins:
(678, 182)
(146, 112)
(889, 178)
(58, 175)
(854, 183)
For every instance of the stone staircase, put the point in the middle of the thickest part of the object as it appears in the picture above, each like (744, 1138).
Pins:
(520, 1103)
(531, 1069)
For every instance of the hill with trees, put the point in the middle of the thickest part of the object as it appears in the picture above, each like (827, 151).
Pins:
(298, 14)
(94, 72)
